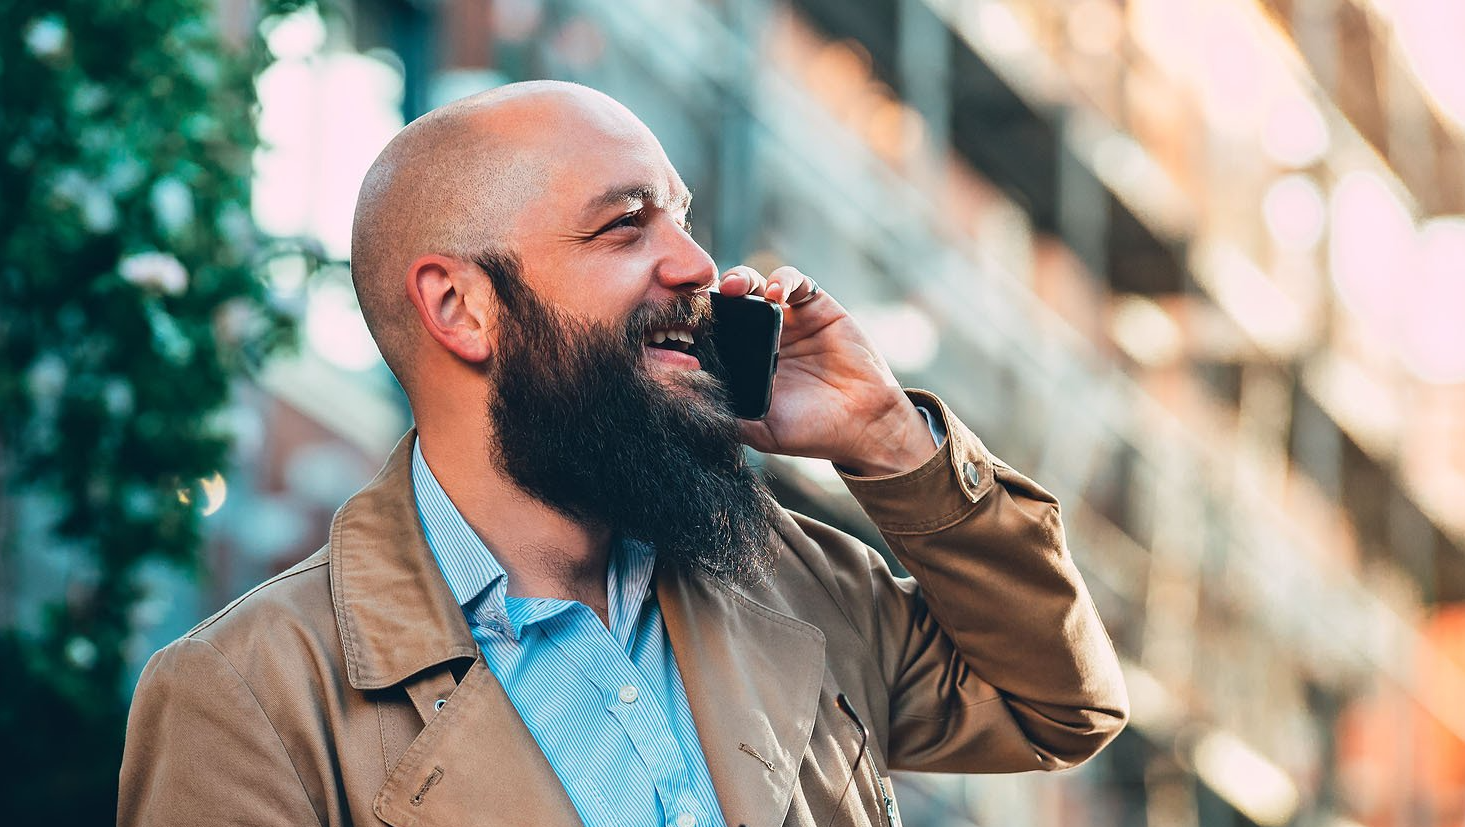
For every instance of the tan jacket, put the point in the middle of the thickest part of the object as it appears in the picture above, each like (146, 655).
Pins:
(348, 689)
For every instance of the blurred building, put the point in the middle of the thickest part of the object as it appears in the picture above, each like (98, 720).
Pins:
(1198, 267)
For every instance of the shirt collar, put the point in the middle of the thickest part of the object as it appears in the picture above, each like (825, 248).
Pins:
(479, 583)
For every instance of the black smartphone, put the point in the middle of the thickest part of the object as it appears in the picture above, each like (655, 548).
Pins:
(744, 341)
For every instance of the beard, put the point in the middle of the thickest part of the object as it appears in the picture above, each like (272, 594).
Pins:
(582, 426)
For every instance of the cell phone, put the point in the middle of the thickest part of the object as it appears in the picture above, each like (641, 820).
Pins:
(744, 344)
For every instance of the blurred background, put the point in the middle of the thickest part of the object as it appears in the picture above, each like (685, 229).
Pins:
(1198, 266)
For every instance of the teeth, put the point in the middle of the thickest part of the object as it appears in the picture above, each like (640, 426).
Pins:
(660, 336)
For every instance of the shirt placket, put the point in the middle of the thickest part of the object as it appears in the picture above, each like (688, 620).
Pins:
(632, 701)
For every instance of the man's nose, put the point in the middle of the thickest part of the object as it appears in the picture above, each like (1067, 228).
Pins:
(685, 267)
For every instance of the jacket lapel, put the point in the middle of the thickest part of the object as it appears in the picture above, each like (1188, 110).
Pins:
(394, 610)
(475, 763)
(752, 677)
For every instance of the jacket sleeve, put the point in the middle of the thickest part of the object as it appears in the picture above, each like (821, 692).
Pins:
(200, 749)
(996, 661)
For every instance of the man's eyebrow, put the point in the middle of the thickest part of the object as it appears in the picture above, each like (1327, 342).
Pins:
(645, 193)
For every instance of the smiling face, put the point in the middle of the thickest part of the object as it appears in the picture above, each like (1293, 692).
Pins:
(560, 176)
(599, 405)
(606, 231)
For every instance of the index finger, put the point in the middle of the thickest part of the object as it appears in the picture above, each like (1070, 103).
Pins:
(784, 282)
(741, 281)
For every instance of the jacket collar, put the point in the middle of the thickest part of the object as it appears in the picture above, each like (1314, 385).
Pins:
(394, 610)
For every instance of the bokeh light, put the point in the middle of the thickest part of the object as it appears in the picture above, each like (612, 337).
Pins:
(335, 329)
(1295, 212)
(1295, 134)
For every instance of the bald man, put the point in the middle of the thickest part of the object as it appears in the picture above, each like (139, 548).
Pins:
(566, 598)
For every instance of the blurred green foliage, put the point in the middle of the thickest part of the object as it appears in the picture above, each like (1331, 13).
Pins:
(128, 300)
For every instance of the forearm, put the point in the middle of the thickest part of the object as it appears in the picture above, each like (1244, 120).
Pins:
(986, 546)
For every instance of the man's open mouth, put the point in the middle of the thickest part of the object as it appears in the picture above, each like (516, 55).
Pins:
(674, 339)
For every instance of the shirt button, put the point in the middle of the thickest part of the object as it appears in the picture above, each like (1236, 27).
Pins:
(686, 820)
(628, 695)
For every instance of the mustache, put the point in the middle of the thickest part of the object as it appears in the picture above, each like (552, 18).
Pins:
(691, 311)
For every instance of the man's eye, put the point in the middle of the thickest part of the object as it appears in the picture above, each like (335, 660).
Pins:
(630, 219)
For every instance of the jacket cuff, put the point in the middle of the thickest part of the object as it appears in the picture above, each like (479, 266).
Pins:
(947, 486)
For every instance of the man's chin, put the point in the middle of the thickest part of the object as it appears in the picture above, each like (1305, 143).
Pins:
(696, 388)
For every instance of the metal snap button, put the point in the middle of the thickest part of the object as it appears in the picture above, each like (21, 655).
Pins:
(969, 471)
(439, 704)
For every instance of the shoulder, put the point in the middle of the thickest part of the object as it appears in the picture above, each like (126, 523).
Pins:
(241, 690)
(287, 617)
(292, 595)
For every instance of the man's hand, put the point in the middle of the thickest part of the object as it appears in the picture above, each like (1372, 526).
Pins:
(834, 397)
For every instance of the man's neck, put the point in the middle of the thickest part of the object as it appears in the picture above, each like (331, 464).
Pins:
(543, 552)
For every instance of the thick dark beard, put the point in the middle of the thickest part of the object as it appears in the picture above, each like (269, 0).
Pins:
(582, 426)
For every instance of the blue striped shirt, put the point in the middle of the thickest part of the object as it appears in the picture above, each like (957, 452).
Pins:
(605, 704)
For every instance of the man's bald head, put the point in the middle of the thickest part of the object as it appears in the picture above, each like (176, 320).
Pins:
(455, 182)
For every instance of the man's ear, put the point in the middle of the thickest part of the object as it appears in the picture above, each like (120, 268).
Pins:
(455, 303)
